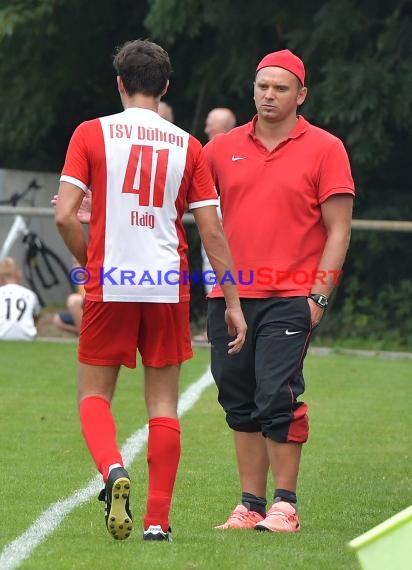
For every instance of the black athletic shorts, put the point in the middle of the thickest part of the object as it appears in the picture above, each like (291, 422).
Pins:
(66, 318)
(259, 387)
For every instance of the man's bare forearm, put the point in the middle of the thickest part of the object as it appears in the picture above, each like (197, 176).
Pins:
(330, 266)
(72, 233)
(220, 258)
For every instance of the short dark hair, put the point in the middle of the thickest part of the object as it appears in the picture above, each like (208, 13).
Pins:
(143, 66)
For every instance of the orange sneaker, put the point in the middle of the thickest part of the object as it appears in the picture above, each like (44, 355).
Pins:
(281, 517)
(241, 517)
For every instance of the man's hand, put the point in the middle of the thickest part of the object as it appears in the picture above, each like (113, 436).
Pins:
(316, 312)
(85, 209)
(236, 326)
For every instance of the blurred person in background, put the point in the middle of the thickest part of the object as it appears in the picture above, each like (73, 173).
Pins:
(166, 111)
(19, 306)
(219, 120)
(70, 320)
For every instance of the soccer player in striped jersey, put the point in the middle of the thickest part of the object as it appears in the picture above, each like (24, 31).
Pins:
(142, 171)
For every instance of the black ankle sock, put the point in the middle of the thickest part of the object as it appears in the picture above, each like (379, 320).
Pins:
(254, 503)
(285, 495)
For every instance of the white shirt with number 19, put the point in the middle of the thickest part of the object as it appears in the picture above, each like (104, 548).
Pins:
(143, 172)
(18, 306)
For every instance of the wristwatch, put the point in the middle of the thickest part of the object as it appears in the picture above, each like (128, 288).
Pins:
(320, 299)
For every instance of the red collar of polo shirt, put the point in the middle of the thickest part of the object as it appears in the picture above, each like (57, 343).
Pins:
(298, 130)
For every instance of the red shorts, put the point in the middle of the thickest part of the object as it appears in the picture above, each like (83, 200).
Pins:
(111, 333)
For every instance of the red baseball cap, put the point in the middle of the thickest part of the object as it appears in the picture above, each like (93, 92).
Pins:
(285, 59)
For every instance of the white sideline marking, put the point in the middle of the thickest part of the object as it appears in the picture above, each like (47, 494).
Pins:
(15, 552)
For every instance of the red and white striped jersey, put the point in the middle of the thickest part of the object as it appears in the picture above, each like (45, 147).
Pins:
(143, 172)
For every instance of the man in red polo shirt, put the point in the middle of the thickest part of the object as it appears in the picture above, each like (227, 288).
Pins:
(286, 194)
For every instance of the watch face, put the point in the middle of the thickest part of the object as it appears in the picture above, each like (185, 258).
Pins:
(320, 300)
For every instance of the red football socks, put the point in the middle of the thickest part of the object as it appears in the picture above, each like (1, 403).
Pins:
(163, 454)
(99, 432)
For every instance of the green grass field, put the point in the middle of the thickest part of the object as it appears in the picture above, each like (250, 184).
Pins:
(355, 469)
